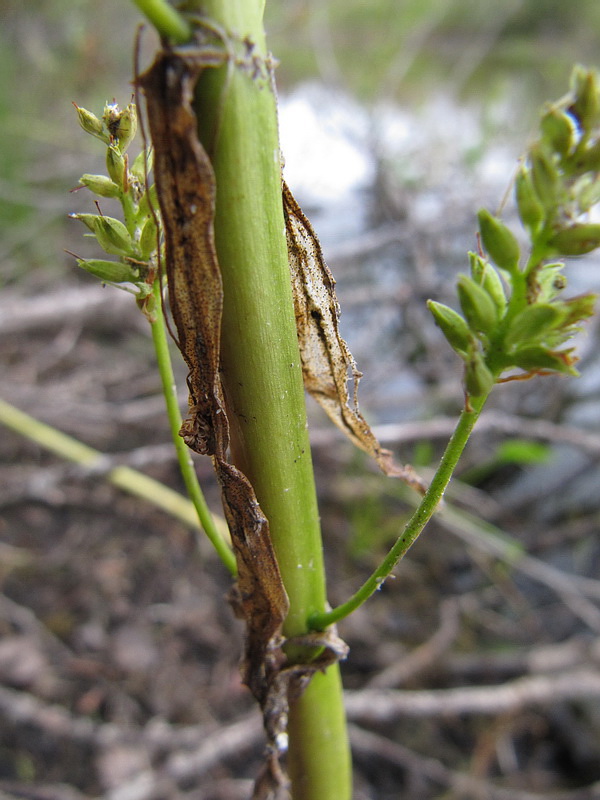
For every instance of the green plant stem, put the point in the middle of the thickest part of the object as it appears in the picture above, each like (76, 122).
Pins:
(186, 466)
(417, 522)
(167, 21)
(262, 373)
(126, 478)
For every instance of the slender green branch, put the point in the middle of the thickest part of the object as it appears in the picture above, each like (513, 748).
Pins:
(126, 478)
(417, 522)
(186, 466)
(167, 21)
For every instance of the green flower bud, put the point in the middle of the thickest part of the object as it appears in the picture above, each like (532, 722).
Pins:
(532, 323)
(478, 378)
(109, 271)
(100, 185)
(121, 124)
(452, 325)
(137, 169)
(148, 238)
(492, 283)
(116, 166)
(149, 196)
(531, 210)
(478, 265)
(576, 240)
(110, 233)
(484, 274)
(586, 102)
(114, 237)
(499, 241)
(535, 358)
(91, 124)
(89, 220)
(545, 178)
(478, 307)
(558, 131)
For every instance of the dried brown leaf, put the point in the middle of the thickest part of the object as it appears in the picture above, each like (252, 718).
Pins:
(186, 190)
(327, 362)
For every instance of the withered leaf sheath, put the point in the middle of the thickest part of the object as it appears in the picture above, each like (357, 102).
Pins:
(327, 362)
(186, 192)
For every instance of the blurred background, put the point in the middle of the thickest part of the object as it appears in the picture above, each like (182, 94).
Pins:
(118, 656)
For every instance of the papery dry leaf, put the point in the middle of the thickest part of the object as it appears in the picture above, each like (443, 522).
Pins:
(327, 363)
(186, 190)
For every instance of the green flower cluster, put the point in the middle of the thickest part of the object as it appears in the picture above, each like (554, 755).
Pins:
(135, 240)
(513, 317)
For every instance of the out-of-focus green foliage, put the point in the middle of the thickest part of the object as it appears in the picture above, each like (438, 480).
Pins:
(63, 50)
(403, 49)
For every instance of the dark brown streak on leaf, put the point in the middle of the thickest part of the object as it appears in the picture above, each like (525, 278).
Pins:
(186, 190)
(327, 363)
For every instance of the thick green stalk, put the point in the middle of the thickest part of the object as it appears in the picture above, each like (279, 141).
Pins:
(261, 368)
(416, 523)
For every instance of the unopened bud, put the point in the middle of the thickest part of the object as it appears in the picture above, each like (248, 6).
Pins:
(148, 238)
(499, 241)
(576, 240)
(116, 166)
(586, 102)
(109, 271)
(478, 307)
(478, 378)
(142, 165)
(558, 131)
(545, 178)
(531, 211)
(91, 124)
(114, 237)
(452, 325)
(100, 185)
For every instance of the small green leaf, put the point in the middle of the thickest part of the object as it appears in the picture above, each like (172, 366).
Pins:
(536, 357)
(532, 323)
(499, 241)
(522, 451)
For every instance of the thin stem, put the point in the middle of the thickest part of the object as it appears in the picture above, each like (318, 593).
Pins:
(417, 522)
(167, 21)
(186, 466)
(123, 477)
